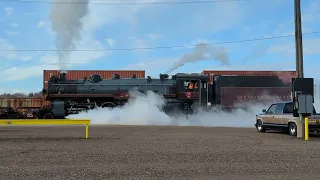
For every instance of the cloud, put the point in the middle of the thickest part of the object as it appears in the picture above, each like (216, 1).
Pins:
(26, 58)
(139, 43)
(98, 17)
(260, 66)
(152, 66)
(102, 15)
(4, 44)
(51, 61)
(46, 25)
(153, 36)
(224, 16)
(8, 11)
(217, 17)
(11, 33)
(311, 13)
(80, 57)
(14, 25)
(8, 56)
(111, 42)
(11, 91)
(41, 24)
(310, 47)
(156, 66)
(31, 14)
(21, 73)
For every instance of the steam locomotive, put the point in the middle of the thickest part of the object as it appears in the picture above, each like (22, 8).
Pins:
(183, 93)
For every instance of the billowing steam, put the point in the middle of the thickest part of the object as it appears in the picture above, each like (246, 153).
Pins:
(67, 23)
(202, 52)
(144, 110)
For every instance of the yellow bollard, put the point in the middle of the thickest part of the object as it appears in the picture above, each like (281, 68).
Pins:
(306, 128)
(87, 131)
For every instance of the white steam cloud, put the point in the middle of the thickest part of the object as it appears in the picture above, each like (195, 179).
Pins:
(67, 22)
(144, 110)
(202, 52)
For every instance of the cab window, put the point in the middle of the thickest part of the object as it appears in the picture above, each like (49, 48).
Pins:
(191, 84)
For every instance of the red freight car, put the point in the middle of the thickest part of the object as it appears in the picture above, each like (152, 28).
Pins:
(80, 74)
(285, 76)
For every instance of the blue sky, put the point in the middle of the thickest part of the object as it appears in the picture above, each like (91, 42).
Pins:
(28, 26)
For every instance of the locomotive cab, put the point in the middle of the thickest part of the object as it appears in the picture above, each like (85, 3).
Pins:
(193, 88)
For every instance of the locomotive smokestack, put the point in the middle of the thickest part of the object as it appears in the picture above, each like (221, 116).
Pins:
(63, 76)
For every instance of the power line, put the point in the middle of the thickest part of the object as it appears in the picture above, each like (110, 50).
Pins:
(166, 47)
(123, 3)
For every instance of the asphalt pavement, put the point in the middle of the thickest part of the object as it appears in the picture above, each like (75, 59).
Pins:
(155, 152)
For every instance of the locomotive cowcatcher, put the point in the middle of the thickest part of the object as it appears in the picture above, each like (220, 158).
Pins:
(183, 92)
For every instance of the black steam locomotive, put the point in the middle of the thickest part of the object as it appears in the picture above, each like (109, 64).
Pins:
(183, 92)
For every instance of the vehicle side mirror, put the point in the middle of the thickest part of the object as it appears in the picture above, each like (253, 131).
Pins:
(264, 111)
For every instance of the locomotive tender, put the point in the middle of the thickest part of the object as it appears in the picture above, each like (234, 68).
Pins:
(182, 92)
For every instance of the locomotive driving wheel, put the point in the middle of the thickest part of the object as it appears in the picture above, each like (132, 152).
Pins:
(48, 116)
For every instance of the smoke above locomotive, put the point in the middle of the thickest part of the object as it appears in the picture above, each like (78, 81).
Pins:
(202, 52)
(67, 23)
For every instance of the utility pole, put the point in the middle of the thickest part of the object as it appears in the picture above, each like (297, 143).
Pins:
(299, 58)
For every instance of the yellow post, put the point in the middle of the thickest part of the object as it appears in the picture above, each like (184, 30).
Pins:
(87, 131)
(306, 128)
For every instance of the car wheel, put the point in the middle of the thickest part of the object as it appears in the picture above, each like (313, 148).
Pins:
(293, 129)
(260, 127)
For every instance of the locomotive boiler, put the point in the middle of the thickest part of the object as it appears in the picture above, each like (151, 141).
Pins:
(182, 92)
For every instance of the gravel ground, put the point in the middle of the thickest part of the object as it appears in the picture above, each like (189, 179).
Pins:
(155, 152)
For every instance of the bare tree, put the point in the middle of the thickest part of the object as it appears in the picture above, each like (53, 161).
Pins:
(22, 95)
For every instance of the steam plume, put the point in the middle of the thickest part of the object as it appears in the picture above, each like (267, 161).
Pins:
(67, 23)
(144, 110)
(202, 52)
